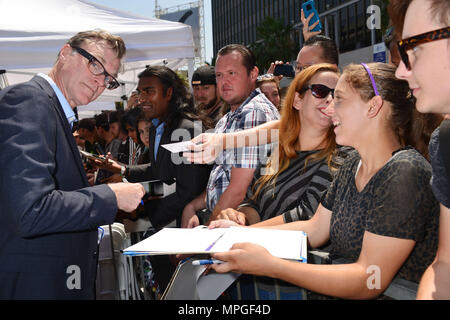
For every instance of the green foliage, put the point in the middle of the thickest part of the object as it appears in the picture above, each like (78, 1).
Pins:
(383, 4)
(275, 43)
(184, 77)
(119, 105)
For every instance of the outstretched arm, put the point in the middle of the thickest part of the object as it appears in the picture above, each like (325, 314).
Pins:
(380, 259)
(435, 283)
(209, 145)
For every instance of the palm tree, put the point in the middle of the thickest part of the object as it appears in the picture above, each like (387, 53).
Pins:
(275, 43)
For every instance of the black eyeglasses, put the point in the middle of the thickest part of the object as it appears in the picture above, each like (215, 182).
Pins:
(97, 68)
(412, 42)
(319, 91)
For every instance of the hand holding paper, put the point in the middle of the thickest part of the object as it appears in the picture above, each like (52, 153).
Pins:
(178, 146)
(246, 258)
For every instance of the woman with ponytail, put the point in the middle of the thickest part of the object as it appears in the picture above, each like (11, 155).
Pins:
(379, 212)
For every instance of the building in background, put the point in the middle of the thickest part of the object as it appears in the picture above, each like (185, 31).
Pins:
(191, 14)
(236, 21)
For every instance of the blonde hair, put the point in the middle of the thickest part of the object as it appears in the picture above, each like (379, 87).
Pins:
(115, 43)
(290, 127)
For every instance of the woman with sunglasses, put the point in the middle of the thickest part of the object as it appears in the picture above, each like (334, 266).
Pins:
(379, 212)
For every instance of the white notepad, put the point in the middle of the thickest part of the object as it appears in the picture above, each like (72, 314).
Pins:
(284, 244)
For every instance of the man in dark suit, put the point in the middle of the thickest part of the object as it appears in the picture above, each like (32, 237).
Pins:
(49, 214)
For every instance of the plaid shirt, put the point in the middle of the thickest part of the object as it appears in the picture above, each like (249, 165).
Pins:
(255, 110)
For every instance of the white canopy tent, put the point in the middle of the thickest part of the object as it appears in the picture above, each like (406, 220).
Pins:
(32, 33)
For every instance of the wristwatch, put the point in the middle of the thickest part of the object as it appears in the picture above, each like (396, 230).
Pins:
(123, 169)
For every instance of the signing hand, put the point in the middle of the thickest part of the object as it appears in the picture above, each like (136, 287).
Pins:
(246, 258)
(128, 195)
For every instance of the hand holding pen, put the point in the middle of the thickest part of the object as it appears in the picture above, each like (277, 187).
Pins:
(206, 262)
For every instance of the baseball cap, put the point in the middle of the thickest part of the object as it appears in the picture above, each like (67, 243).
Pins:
(204, 75)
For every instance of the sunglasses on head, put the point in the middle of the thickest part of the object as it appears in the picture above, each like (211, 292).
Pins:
(267, 76)
(319, 91)
(412, 42)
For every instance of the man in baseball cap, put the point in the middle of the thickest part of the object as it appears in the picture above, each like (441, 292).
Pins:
(205, 92)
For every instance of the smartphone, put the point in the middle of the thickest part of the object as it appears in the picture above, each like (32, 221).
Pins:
(285, 70)
(154, 188)
(308, 8)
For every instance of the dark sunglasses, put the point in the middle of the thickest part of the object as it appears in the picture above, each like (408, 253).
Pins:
(97, 68)
(319, 91)
(412, 42)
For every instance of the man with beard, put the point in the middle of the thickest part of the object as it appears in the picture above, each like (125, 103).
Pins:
(206, 97)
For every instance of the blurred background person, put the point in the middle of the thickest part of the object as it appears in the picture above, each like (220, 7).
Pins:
(206, 96)
(270, 86)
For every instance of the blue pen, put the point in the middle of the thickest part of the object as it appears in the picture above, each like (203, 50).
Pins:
(142, 202)
(206, 262)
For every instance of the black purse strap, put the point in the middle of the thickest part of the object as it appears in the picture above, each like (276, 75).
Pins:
(444, 143)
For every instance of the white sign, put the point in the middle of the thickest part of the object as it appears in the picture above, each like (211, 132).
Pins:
(379, 52)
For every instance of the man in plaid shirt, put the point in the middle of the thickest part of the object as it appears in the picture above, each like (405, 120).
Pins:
(236, 75)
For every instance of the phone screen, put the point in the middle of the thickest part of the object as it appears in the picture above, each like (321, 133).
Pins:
(153, 188)
(284, 70)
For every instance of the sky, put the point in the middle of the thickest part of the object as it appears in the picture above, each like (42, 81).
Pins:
(146, 8)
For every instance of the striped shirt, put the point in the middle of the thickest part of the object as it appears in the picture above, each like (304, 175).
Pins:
(296, 193)
(255, 110)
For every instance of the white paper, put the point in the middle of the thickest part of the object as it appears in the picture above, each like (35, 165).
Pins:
(284, 244)
(177, 240)
(287, 244)
(178, 146)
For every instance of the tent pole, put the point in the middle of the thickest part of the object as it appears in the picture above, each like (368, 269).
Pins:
(190, 69)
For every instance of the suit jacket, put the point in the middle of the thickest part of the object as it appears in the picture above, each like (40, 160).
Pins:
(190, 179)
(49, 214)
